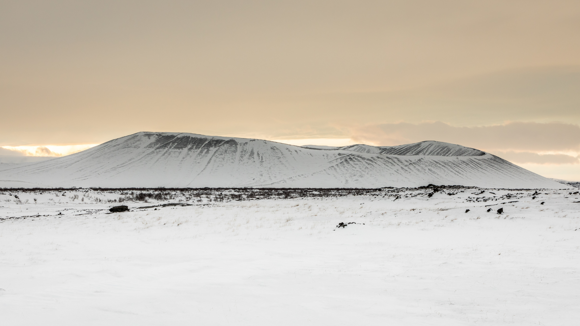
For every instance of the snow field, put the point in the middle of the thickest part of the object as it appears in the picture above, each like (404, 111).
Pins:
(415, 261)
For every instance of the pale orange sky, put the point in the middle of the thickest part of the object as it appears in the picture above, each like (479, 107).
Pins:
(75, 73)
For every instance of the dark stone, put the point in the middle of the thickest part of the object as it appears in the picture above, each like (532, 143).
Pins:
(489, 210)
(119, 209)
(467, 210)
(343, 225)
(500, 211)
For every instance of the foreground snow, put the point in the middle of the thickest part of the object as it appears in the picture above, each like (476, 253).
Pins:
(410, 259)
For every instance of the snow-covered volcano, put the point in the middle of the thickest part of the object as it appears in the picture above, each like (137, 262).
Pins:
(160, 159)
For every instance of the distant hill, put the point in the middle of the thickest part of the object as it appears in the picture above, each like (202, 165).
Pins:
(162, 159)
(574, 184)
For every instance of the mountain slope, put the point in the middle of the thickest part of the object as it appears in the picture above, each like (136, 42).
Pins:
(150, 159)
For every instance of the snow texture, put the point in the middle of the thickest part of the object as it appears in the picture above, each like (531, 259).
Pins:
(153, 159)
(411, 257)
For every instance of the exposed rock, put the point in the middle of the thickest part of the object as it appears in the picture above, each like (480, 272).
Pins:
(119, 209)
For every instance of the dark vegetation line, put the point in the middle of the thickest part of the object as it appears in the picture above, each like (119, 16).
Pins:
(352, 190)
(209, 195)
(199, 189)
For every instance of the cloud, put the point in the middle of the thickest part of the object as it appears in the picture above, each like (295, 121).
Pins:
(18, 156)
(11, 156)
(274, 67)
(535, 158)
(513, 136)
(44, 151)
(10, 153)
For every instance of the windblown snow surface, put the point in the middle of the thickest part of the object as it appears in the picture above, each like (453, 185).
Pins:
(148, 159)
(276, 257)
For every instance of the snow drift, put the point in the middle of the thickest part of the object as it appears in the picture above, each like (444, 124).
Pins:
(160, 159)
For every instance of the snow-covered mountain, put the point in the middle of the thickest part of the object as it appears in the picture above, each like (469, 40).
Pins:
(160, 159)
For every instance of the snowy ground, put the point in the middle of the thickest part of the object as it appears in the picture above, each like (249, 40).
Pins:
(414, 257)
